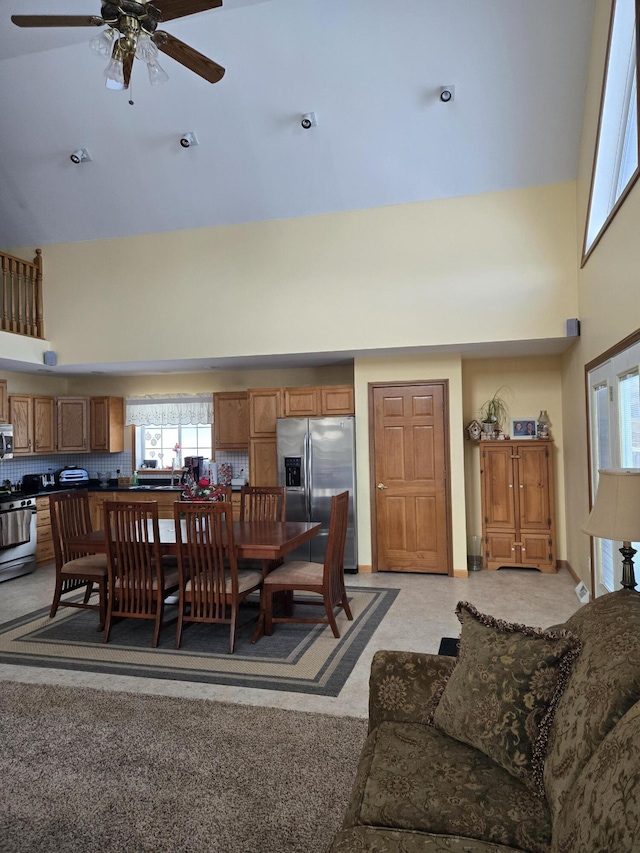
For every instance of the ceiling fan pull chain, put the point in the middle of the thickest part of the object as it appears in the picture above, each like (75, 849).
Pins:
(131, 92)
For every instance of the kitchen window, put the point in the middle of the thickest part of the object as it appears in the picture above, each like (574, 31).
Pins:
(168, 428)
(616, 166)
(614, 432)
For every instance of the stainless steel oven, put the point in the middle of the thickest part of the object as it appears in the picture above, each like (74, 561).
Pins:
(17, 536)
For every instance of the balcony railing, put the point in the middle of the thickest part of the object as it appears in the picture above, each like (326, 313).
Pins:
(21, 295)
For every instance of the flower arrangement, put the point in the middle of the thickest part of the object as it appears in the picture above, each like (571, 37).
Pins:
(203, 490)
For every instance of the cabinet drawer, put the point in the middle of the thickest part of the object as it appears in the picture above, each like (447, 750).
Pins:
(43, 518)
(44, 534)
(44, 552)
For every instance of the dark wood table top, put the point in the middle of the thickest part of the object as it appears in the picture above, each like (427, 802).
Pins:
(258, 540)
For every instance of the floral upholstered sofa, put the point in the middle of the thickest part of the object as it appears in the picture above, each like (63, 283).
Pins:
(529, 741)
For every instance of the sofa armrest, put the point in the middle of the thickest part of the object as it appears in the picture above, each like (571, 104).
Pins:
(406, 686)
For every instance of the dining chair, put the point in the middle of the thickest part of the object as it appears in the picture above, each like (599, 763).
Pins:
(138, 580)
(211, 586)
(325, 579)
(262, 503)
(76, 570)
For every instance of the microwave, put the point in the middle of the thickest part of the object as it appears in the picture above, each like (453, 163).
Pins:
(6, 441)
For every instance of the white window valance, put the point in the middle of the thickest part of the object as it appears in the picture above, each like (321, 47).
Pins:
(169, 410)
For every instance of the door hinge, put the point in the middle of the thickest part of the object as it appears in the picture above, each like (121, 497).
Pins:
(486, 519)
(548, 522)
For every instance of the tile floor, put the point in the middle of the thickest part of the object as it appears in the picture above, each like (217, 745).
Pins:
(422, 613)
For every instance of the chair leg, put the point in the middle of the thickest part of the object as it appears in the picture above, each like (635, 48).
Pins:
(179, 625)
(102, 603)
(232, 629)
(87, 592)
(158, 622)
(56, 599)
(332, 619)
(268, 612)
(107, 624)
(345, 607)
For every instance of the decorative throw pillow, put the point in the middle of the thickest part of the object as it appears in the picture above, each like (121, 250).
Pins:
(502, 693)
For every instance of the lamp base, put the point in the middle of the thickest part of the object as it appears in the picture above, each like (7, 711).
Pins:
(628, 577)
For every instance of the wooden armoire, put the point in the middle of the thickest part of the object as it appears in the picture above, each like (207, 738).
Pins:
(518, 528)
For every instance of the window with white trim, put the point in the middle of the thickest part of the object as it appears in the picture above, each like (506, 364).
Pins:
(169, 428)
(614, 429)
(616, 162)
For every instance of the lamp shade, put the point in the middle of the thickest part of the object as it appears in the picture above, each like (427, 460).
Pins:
(616, 511)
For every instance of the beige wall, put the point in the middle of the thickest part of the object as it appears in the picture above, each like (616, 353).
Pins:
(527, 386)
(498, 266)
(410, 369)
(609, 300)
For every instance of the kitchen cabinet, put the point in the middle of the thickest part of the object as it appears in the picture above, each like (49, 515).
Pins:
(518, 504)
(231, 420)
(44, 539)
(73, 424)
(301, 402)
(4, 402)
(33, 424)
(265, 407)
(337, 400)
(322, 401)
(106, 424)
(165, 501)
(263, 462)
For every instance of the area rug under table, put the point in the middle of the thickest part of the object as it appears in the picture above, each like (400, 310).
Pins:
(296, 658)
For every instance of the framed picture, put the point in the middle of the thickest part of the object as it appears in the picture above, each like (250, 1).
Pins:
(523, 428)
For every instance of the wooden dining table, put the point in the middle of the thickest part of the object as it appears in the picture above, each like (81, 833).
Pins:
(267, 541)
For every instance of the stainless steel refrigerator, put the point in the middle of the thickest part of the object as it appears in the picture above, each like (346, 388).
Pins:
(316, 459)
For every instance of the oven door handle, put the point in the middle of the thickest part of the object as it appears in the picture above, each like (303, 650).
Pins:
(2, 445)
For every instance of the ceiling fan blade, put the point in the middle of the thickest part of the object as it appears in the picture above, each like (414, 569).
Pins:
(187, 56)
(172, 9)
(57, 20)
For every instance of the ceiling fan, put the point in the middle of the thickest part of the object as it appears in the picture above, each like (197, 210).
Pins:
(132, 34)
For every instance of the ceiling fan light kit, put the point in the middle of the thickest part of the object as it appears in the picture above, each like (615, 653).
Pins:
(132, 34)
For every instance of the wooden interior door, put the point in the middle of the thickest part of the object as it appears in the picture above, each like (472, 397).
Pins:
(409, 467)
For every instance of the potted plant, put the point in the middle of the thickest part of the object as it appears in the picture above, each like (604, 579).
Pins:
(493, 413)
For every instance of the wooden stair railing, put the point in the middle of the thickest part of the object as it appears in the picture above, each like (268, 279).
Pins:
(21, 295)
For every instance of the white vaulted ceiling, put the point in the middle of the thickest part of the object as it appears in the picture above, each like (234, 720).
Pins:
(370, 69)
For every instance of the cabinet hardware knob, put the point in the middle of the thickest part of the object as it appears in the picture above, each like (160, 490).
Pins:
(510, 485)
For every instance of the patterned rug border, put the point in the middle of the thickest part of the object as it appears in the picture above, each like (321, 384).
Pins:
(327, 681)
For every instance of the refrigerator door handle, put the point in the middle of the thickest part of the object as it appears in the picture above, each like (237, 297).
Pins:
(309, 475)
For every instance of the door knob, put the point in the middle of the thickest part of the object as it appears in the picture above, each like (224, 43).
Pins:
(382, 486)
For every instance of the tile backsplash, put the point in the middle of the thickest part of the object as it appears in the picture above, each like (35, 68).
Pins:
(15, 468)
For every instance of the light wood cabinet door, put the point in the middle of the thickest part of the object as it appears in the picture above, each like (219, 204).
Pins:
(106, 422)
(231, 420)
(4, 402)
(265, 407)
(263, 462)
(44, 429)
(301, 402)
(337, 400)
(517, 504)
(21, 416)
(73, 424)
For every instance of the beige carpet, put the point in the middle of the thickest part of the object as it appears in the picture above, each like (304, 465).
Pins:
(86, 770)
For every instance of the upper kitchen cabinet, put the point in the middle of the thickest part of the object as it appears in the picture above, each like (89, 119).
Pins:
(301, 402)
(4, 402)
(337, 400)
(106, 424)
(73, 424)
(231, 420)
(265, 407)
(33, 424)
(326, 400)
